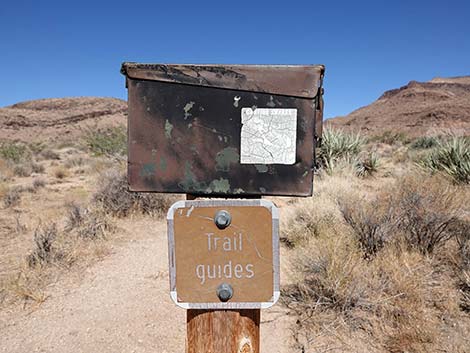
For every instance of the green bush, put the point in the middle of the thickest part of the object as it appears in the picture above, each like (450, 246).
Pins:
(110, 142)
(451, 156)
(14, 152)
(425, 142)
(338, 146)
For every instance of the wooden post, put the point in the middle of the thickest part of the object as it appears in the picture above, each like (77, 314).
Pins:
(222, 331)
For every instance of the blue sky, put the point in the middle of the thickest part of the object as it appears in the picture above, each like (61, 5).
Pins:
(75, 48)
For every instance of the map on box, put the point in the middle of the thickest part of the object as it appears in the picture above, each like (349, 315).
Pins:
(268, 136)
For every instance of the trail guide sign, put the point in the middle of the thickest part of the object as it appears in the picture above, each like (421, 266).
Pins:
(224, 254)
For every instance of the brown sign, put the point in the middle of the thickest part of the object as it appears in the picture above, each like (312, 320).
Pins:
(224, 253)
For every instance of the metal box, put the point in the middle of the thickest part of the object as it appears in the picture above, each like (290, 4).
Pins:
(223, 130)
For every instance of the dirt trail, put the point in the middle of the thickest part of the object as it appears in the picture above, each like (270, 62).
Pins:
(120, 304)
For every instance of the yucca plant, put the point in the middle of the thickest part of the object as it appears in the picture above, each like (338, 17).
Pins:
(425, 142)
(338, 145)
(451, 156)
(368, 165)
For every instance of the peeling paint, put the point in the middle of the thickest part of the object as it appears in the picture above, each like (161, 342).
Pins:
(271, 103)
(263, 190)
(163, 164)
(220, 186)
(168, 129)
(305, 174)
(193, 148)
(236, 99)
(225, 157)
(238, 191)
(187, 108)
(148, 169)
(189, 181)
(261, 168)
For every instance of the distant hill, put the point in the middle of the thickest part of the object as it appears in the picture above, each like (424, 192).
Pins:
(60, 118)
(419, 108)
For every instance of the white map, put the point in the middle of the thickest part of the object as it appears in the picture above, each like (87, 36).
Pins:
(268, 136)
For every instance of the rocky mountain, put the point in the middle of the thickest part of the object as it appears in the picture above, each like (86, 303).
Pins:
(419, 108)
(59, 119)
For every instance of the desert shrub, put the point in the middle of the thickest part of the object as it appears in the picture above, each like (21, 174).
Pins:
(337, 146)
(390, 137)
(463, 271)
(37, 168)
(19, 227)
(388, 297)
(451, 156)
(114, 197)
(60, 172)
(108, 142)
(14, 152)
(36, 147)
(26, 168)
(22, 170)
(76, 161)
(75, 216)
(49, 154)
(430, 211)
(373, 222)
(38, 183)
(310, 218)
(44, 250)
(12, 197)
(425, 142)
(94, 226)
(86, 223)
(327, 277)
(368, 165)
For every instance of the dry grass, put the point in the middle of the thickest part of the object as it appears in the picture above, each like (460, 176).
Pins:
(12, 197)
(87, 223)
(390, 299)
(430, 210)
(115, 199)
(60, 172)
(371, 265)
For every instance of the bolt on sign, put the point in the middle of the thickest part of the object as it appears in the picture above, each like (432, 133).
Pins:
(224, 254)
(219, 130)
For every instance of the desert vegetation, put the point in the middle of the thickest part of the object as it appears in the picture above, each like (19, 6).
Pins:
(379, 261)
(379, 257)
(61, 205)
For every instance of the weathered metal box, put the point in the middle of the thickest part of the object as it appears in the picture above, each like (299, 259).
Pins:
(223, 130)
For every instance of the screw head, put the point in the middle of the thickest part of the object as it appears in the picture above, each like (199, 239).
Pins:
(222, 219)
(224, 292)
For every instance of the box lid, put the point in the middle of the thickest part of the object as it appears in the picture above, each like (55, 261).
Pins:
(301, 81)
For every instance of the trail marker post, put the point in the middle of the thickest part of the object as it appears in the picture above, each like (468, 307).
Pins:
(230, 133)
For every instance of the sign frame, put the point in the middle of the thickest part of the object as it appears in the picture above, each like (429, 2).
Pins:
(224, 203)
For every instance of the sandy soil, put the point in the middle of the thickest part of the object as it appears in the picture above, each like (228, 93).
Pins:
(120, 304)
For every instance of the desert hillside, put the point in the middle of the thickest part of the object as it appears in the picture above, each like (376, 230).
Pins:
(60, 118)
(419, 108)
(378, 260)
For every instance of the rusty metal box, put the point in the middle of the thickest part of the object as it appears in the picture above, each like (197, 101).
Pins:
(223, 130)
